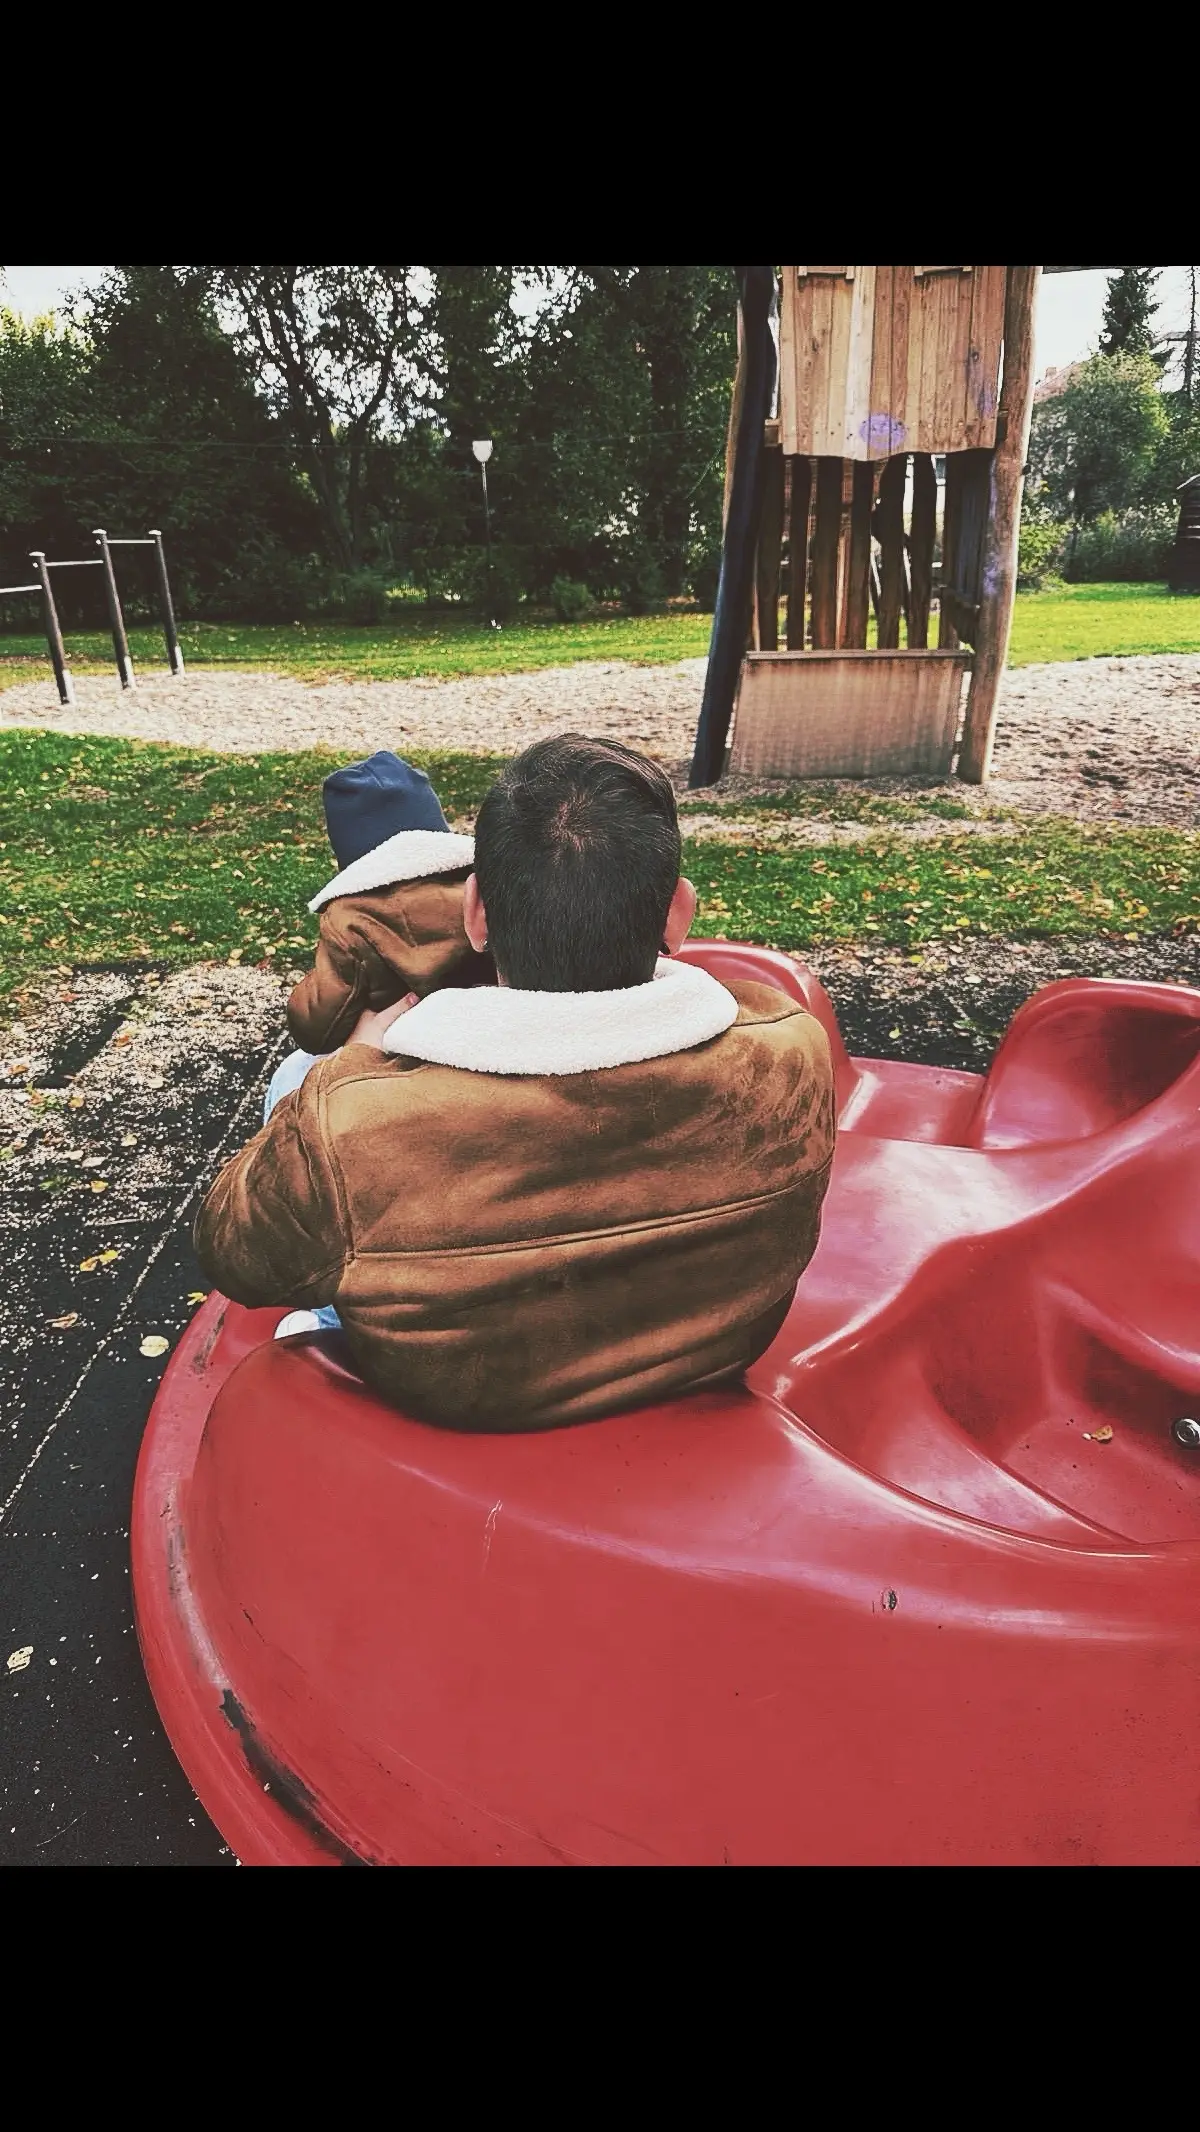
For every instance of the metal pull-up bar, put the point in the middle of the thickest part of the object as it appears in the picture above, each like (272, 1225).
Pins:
(103, 561)
(58, 656)
(154, 540)
(116, 620)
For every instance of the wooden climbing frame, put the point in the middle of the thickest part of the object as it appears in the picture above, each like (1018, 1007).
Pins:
(887, 376)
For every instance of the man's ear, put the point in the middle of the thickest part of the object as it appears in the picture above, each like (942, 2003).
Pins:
(474, 915)
(679, 916)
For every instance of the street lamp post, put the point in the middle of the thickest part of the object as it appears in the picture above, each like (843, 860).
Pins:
(482, 449)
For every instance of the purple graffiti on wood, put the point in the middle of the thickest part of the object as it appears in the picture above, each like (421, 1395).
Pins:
(882, 433)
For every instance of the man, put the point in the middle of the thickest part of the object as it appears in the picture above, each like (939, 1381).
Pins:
(588, 1188)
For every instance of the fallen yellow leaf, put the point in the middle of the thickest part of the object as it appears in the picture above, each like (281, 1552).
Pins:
(76, 1102)
(18, 1660)
(106, 1257)
(154, 1344)
(89, 1265)
(1102, 1436)
(197, 1295)
(99, 1184)
(63, 1324)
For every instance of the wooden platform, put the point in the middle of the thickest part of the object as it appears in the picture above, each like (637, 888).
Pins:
(879, 360)
(848, 713)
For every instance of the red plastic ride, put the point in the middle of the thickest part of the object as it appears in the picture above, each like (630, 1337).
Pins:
(926, 1591)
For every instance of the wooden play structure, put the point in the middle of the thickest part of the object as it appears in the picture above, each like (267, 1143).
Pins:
(1183, 570)
(857, 388)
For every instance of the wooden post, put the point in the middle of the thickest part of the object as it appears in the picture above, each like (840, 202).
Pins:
(798, 505)
(947, 633)
(826, 538)
(1003, 527)
(924, 525)
(735, 415)
(858, 563)
(891, 550)
(735, 587)
(770, 543)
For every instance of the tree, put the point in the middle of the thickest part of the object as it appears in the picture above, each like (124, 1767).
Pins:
(44, 398)
(679, 324)
(1179, 454)
(606, 389)
(140, 411)
(193, 445)
(478, 387)
(342, 354)
(301, 429)
(628, 399)
(1129, 308)
(1096, 447)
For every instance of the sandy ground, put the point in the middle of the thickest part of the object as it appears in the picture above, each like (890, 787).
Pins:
(1091, 738)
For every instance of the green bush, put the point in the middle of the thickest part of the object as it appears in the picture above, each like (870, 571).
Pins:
(266, 584)
(1040, 549)
(571, 601)
(502, 588)
(704, 575)
(1126, 547)
(640, 580)
(460, 577)
(358, 596)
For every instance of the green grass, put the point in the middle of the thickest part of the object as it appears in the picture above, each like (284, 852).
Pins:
(115, 851)
(1074, 622)
(1102, 622)
(414, 644)
(1046, 878)
(834, 803)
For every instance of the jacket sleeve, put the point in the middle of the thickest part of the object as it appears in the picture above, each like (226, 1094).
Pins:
(271, 1229)
(324, 1008)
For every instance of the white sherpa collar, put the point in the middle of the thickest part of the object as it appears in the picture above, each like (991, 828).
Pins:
(492, 1029)
(407, 857)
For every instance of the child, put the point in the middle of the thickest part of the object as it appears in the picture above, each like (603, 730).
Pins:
(391, 922)
(391, 918)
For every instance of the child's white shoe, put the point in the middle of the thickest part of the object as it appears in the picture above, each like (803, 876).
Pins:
(297, 1321)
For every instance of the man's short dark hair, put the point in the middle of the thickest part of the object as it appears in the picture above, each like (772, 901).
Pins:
(577, 856)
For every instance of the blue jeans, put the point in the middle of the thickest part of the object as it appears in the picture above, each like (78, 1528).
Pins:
(285, 1078)
(288, 1076)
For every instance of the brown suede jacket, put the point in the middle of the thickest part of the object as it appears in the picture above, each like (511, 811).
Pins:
(391, 923)
(376, 947)
(514, 1240)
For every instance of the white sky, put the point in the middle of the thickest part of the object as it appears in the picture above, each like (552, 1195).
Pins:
(1068, 320)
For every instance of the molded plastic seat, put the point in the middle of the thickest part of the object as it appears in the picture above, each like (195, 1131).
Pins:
(926, 1590)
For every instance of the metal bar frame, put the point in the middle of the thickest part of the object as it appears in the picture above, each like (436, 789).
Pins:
(116, 619)
(58, 656)
(103, 561)
(170, 632)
